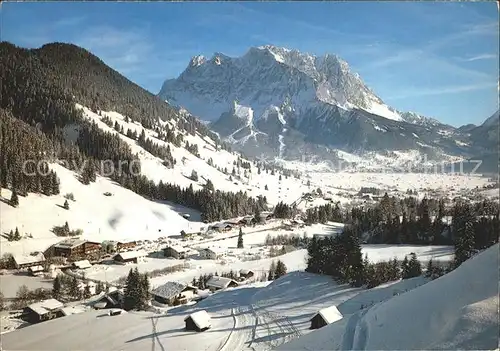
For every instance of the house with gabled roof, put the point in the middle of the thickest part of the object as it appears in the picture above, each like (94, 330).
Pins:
(170, 292)
(219, 283)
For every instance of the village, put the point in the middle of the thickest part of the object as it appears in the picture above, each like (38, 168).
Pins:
(78, 258)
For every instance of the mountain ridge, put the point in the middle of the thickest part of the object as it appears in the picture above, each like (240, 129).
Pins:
(317, 101)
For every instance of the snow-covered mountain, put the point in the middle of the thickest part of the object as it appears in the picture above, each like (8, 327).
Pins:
(278, 101)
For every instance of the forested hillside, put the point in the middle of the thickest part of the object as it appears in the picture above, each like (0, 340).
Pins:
(39, 95)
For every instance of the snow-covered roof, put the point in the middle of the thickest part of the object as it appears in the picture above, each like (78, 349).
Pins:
(216, 250)
(127, 255)
(220, 282)
(46, 306)
(169, 290)
(330, 314)
(67, 311)
(233, 221)
(201, 319)
(83, 264)
(28, 259)
(178, 248)
(70, 243)
(36, 268)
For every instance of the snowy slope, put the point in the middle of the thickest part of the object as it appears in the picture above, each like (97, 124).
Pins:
(456, 311)
(122, 216)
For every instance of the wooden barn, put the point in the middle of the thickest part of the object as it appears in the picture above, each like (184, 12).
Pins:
(130, 257)
(171, 291)
(325, 316)
(175, 251)
(43, 311)
(198, 321)
(219, 283)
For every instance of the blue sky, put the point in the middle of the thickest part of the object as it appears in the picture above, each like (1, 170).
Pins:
(439, 59)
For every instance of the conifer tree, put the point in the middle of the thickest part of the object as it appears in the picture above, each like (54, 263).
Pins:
(280, 269)
(131, 293)
(74, 290)
(414, 266)
(99, 288)
(405, 269)
(66, 205)
(56, 287)
(240, 239)
(465, 245)
(86, 292)
(429, 269)
(14, 200)
(272, 271)
(17, 235)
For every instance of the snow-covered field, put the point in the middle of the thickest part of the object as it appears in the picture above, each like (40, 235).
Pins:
(9, 284)
(456, 311)
(122, 216)
(295, 261)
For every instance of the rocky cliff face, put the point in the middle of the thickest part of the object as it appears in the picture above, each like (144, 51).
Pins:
(284, 103)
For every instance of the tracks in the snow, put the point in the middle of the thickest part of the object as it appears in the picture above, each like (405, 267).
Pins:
(226, 343)
(155, 337)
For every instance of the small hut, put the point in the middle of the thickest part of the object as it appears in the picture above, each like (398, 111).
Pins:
(325, 316)
(198, 321)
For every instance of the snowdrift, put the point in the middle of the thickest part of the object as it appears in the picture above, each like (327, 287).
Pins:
(456, 311)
